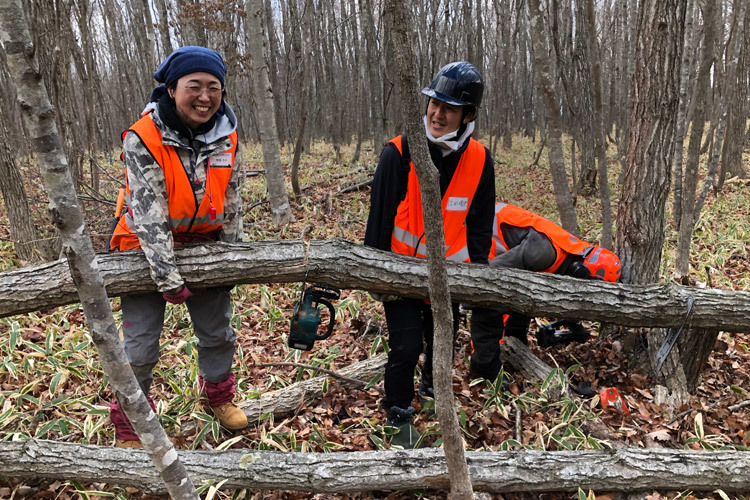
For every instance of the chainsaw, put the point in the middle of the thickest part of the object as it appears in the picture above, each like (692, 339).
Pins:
(303, 331)
(552, 335)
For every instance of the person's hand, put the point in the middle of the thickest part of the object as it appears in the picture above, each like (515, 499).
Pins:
(177, 296)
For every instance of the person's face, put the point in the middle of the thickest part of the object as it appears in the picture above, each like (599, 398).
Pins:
(442, 118)
(197, 96)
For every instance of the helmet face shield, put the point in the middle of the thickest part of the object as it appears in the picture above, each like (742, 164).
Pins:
(603, 264)
(458, 84)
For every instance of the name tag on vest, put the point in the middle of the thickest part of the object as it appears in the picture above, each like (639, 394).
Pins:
(457, 204)
(221, 160)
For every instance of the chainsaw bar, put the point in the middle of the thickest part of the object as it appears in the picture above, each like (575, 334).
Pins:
(666, 347)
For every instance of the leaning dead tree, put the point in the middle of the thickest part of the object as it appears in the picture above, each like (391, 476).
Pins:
(621, 470)
(351, 266)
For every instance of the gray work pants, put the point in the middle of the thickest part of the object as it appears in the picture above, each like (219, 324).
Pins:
(211, 312)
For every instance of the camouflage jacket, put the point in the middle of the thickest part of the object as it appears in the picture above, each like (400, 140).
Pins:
(148, 192)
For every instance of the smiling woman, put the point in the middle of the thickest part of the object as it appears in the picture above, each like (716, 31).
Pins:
(395, 223)
(183, 162)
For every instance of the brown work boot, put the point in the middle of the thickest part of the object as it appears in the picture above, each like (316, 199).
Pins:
(122, 443)
(230, 416)
(125, 435)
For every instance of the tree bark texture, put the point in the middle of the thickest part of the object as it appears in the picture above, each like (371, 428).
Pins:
(39, 118)
(437, 277)
(542, 68)
(351, 266)
(620, 470)
(281, 212)
(654, 103)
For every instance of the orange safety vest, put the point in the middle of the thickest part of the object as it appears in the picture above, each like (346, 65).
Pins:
(408, 229)
(185, 218)
(564, 242)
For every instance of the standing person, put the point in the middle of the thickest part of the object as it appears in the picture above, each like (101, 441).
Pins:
(183, 165)
(524, 240)
(467, 185)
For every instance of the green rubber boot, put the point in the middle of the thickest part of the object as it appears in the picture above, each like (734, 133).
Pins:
(407, 437)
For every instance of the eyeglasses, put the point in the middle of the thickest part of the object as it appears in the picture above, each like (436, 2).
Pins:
(197, 90)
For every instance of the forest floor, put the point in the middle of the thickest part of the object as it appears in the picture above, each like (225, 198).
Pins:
(52, 386)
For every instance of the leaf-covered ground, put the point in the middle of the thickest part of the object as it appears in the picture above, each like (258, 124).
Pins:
(53, 386)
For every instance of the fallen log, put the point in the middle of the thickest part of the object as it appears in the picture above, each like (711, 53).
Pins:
(290, 399)
(347, 265)
(621, 470)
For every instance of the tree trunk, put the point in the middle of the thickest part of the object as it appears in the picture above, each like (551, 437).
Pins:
(654, 102)
(351, 266)
(26, 241)
(27, 244)
(89, 79)
(730, 89)
(281, 212)
(306, 96)
(66, 213)
(599, 125)
(554, 134)
(166, 40)
(690, 177)
(692, 41)
(373, 46)
(731, 159)
(574, 67)
(440, 299)
(631, 470)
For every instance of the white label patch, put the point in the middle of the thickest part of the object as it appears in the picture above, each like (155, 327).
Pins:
(221, 160)
(457, 204)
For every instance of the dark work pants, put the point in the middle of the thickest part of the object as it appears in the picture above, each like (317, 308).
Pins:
(410, 331)
(487, 327)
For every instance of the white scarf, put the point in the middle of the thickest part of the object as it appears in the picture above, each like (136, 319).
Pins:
(448, 143)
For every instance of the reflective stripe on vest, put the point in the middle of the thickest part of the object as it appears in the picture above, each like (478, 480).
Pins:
(408, 231)
(184, 216)
(563, 242)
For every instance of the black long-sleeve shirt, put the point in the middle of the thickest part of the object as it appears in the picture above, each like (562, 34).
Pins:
(389, 189)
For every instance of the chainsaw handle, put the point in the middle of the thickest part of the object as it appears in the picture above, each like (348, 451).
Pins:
(331, 321)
